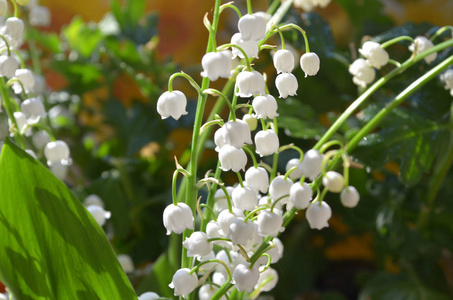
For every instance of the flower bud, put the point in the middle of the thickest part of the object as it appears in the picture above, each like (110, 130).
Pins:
(183, 282)
(374, 53)
(309, 62)
(246, 277)
(286, 84)
(276, 252)
(8, 66)
(265, 106)
(266, 142)
(56, 151)
(318, 213)
(232, 158)
(33, 109)
(268, 280)
(99, 214)
(279, 189)
(257, 179)
(250, 83)
(178, 218)
(311, 164)
(126, 263)
(244, 198)
(362, 72)
(270, 222)
(216, 64)
(333, 181)
(197, 244)
(149, 296)
(172, 104)
(349, 197)
(252, 27)
(250, 47)
(300, 195)
(283, 61)
(423, 44)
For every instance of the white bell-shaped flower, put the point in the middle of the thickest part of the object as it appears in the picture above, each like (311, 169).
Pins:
(309, 62)
(423, 44)
(172, 104)
(207, 291)
(333, 181)
(266, 142)
(251, 120)
(234, 133)
(149, 296)
(250, 47)
(8, 66)
(276, 252)
(300, 195)
(257, 179)
(183, 282)
(270, 222)
(232, 158)
(33, 109)
(362, 72)
(283, 61)
(321, 3)
(59, 169)
(93, 199)
(56, 151)
(447, 78)
(221, 202)
(219, 278)
(306, 5)
(21, 121)
(99, 214)
(318, 213)
(268, 280)
(244, 198)
(39, 16)
(177, 218)
(27, 79)
(241, 232)
(374, 53)
(245, 277)
(265, 106)
(3, 7)
(252, 27)
(216, 64)
(349, 196)
(297, 173)
(279, 189)
(40, 139)
(225, 218)
(311, 164)
(250, 83)
(126, 263)
(213, 230)
(286, 84)
(14, 27)
(197, 244)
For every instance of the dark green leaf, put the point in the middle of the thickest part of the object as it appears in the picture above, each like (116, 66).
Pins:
(51, 41)
(82, 37)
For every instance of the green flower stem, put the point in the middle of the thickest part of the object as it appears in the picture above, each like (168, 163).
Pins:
(273, 7)
(15, 8)
(253, 212)
(240, 179)
(210, 210)
(6, 44)
(252, 155)
(440, 31)
(228, 199)
(282, 39)
(383, 80)
(346, 165)
(223, 289)
(396, 40)
(246, 57)
(210, 200)
(229, 5)
(276, 18)
(287, 27)
(330, 144)
(21, 59)
(275, 160)
(292, 146)
(249, 7)
(222, 96)
(190, 79)
(46, 129)
(6, 102)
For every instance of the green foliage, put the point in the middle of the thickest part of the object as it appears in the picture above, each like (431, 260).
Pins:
(51, 247)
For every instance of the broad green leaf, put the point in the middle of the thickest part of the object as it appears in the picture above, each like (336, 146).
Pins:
(82, 37)
(51, 247)
(51, 41)
(404, 136)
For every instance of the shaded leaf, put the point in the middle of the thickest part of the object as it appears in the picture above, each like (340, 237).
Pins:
(82, 37)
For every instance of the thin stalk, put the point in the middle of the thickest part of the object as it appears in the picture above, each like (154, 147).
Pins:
(6, 102)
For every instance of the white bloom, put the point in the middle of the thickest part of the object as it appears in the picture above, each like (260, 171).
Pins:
(349, 197)
(39, 16)
(219, 278)
(21, 121)
(279, 189)
(221, 202)
(266, 142)
(321, 3)
(245, 277)
(286, 84)
(333, 181)
(56, 151)
(59, 169)
(93, 200)
(276, 252)
(250, 83)
(183, 282)
(306, 5)
(311, 164)
(216, 64)
(241, 232)
(213, 230)
(3, 8)
(265, 106)
(300, 195)
(423, 44)
(318, 213)
(197, 244)
(244, 198)
(374, 53)
(40, 139)
(233, 133)
(8, 66)
(33, 109)
(268, 280)
(251, 120)
(447, 78)
(27, 79)
(270, 222)
(258, 179)
(309, 62)
(232, 158)
(207, 291)
(250, 47)
(99, 214)
(252, 27)
(149, 296)
(225, 218)
(283, 61)
(172, 104)
(297, 173)
(14, 27)
(178, 218)
(362, 72)
(126, 263)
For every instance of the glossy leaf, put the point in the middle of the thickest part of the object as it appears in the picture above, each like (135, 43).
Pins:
(51, 247)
